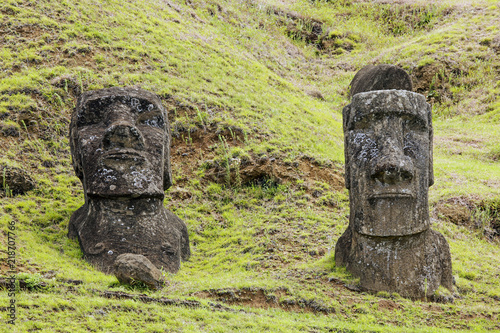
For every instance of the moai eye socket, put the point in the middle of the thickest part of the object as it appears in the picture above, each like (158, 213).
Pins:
(364, 122)
(414, 123)
(410, 148)
(364, 147)
(92, 114)
(153, 119)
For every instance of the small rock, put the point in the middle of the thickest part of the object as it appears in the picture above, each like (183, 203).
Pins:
(9, 130)
(49, 274)
(444, 299)
(130, 268)
(317, 193)
(335, 280)
(15, 180)
(315, 94)
(495, 44)
(180, 193)
(67, 82)
(263, 160)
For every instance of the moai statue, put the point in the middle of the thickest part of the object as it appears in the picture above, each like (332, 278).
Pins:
(389, 244)
(120, 144)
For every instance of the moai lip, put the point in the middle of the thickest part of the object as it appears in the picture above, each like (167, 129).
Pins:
(388, 169)
(120, 145)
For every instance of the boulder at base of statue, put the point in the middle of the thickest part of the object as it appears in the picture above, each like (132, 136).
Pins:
(380, 77)
(132, 268)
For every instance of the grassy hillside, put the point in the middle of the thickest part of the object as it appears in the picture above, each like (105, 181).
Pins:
(254, 91)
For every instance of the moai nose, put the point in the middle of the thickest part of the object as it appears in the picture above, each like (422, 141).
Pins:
(393, 167)
(123, 135)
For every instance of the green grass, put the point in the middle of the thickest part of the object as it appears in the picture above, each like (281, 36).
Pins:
(243, 81)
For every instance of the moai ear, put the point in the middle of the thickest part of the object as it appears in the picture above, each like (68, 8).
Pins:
(431, 137)
(347, 174)
(167, 168)
(167, 175)
(75, 155)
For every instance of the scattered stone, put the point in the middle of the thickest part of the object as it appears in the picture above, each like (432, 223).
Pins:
(388, 169)
(380, 77)
(335, 280)
(6, 283)
(15, 180)
(179, 193)
(67, 82)
(316, 94)
(73, 282)
(49, 274)
(444, 299)
(148, 299)
(495, 44)
(131, 268)
(10, 129)
(120, 145)
(317, 193)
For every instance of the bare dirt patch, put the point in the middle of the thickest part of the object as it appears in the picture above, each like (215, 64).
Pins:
(259, 170)
(388, 305)
(433, 80)
(456, 210)
(264, 299)
(197, 143)
(474, 213)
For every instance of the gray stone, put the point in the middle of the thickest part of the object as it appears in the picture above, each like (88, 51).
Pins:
(380, 77)
(495, 44)
(15, 180)
(388, 169)
(120, 144)
(130, 268)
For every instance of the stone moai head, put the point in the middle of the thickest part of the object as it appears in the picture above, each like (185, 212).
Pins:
(388, 133)
(388, 162)
(120, 143)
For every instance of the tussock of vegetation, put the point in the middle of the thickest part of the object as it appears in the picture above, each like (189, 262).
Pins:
(254, 92)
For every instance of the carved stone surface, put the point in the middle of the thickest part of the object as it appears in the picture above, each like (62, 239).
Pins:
(120, 144)
(380, 77)
(130, 268)
(388, 169)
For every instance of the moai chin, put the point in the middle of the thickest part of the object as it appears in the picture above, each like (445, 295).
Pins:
(389, 244)
(120, 145)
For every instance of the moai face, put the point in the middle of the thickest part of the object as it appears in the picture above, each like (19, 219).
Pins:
(120, 144)
(388, 155)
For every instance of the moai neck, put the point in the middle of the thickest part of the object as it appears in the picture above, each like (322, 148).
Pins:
(125, 208)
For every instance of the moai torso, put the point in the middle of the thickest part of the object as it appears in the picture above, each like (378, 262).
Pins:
(389, 244)
(120, 145)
